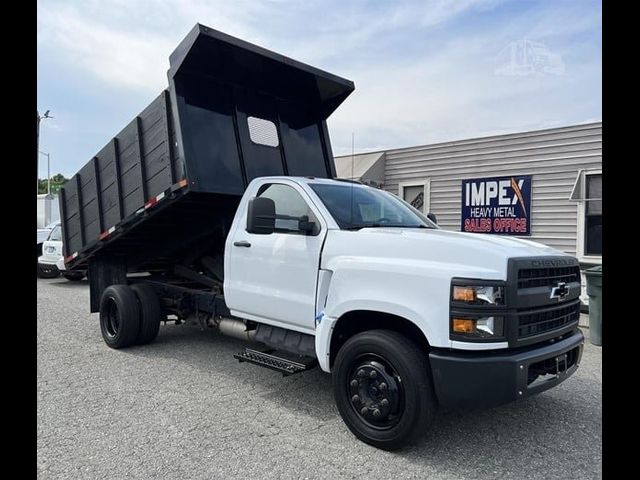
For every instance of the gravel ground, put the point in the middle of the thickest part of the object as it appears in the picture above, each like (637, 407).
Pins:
(183, 407)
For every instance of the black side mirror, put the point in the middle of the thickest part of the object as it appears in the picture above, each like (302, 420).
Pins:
(261, 216)
(432, 217)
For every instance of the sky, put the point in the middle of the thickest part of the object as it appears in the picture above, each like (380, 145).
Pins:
(425, 71)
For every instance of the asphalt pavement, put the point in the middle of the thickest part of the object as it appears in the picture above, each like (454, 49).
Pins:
(184, 408)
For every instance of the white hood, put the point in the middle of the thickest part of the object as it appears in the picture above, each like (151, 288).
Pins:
(468, 254)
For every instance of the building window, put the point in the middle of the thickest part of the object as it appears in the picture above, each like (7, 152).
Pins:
(416, 194)
(587, 192)
(593, 215)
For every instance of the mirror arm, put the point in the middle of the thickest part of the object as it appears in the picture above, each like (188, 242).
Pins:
(278, 216)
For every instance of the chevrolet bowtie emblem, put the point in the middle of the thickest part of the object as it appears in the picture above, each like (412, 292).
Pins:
(560, 291)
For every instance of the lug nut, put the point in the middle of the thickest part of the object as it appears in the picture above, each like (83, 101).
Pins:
(355, 399)
(382, 386)
(384, 403)
(373, 374)
(364, 411)
(354, 383)
(362, 373)
(377, 413)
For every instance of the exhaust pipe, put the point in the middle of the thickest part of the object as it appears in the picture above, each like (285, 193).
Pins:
(236, 328)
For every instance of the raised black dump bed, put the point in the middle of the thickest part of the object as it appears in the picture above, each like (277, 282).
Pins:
(163, 191)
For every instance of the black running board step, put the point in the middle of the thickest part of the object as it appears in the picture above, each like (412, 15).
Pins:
(285, 366)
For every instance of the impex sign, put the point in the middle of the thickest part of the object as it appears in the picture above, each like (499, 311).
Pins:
(500, 205)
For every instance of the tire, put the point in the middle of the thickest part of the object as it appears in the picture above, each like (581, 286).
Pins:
(150, 313)
(47, 271)
(73, 276)
(119, 316)
(410, 403)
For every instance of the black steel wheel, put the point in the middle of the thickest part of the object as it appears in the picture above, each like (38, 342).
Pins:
(150, 313)
(383, 388)
(119, 316)
(377, 392)
(47, 271)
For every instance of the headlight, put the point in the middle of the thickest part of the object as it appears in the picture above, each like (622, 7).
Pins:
(477, 311)
(477, 327)
(478, 294)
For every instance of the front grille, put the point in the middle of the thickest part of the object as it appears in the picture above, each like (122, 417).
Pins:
(550, 366)
(535, 323)
(543, 277)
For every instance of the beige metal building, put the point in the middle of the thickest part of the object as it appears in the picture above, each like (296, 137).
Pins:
(565, 165)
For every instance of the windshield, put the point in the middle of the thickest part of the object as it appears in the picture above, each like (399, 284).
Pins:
(56, 234)
(355, 206)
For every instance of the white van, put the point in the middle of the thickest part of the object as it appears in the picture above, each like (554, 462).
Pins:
(51, 262)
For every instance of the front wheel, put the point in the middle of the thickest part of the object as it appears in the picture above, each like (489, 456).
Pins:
(47, 271)
(383, 389)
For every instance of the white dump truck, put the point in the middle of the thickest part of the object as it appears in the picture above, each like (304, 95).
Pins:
(218, 204)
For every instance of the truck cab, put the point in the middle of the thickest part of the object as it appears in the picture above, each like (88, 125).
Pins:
(364, 259)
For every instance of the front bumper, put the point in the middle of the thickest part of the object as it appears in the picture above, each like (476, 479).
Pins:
(485, 379)
(47, 259)
(60, 264)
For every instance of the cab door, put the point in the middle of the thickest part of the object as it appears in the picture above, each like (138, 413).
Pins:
(274, 276)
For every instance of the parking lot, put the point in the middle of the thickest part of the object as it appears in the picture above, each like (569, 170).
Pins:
(183, 407)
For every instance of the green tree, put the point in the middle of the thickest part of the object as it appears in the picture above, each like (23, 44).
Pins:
(57, 181)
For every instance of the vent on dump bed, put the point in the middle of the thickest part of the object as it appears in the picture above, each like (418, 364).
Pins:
(263, 132)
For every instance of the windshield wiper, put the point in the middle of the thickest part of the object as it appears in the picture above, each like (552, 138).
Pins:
(382, 225)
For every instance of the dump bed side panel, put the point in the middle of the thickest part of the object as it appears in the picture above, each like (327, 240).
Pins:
(137, 165)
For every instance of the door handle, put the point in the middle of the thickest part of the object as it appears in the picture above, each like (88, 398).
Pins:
(242, 243)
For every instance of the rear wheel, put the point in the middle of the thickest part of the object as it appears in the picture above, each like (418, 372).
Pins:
(119, 316)
(150, 313)
(47, 271)
(383, 389)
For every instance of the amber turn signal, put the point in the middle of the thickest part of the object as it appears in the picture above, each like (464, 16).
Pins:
(464, 294)
(464, 325)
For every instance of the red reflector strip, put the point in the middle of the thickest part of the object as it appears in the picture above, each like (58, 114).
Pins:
(182, 183)
(150, 203)
(106, 233)
(154, 200)
(71, 257)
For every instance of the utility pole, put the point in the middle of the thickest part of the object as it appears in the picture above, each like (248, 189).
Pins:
(37, 152)
(48, 171)
(39, 118)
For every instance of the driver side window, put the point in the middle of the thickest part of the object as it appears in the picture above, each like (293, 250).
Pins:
(287, 202)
